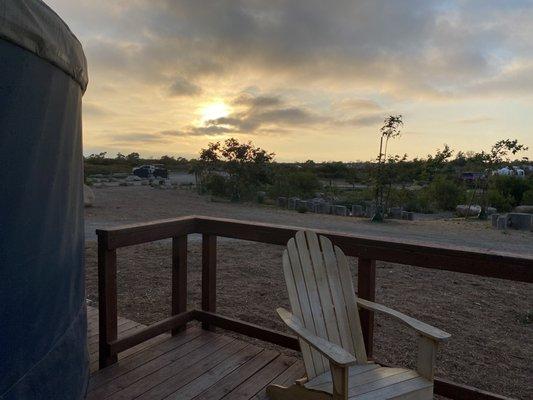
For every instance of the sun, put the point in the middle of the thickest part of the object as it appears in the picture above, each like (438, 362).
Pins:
(214, 111)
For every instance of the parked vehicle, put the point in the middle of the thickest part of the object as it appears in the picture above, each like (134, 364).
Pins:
(151, 171)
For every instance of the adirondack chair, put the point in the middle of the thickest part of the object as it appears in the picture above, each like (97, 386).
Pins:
(326, 320)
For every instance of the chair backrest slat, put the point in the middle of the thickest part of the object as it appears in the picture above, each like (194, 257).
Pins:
(321, 294)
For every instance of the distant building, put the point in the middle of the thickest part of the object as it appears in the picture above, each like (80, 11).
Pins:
(510, 171)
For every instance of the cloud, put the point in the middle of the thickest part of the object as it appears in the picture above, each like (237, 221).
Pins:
(423, 48)
(182, 87)
(351, 105)
(257, 101)
(363, 120)
(264, 111)
(475, 120)
(137, 137)
(95, 111)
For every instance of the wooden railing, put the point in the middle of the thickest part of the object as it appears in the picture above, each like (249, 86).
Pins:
(367, 250)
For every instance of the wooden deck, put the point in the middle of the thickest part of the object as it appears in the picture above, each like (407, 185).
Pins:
(195, 364)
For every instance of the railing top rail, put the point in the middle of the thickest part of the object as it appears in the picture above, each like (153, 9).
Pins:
(453, 258)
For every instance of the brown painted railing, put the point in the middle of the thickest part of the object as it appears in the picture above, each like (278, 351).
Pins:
(367, 250)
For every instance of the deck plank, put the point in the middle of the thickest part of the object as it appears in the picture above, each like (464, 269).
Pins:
(194, 363)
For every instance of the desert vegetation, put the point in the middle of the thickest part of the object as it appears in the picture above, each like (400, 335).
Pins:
(241, 171)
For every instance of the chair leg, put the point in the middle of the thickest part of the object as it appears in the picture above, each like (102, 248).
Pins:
(294, 392)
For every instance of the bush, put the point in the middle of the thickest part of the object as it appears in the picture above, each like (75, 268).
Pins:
(511, 188)
(216, 185)
(499, 201)
(294, 183)
(415, 200)
(446, 194)
(527, 198)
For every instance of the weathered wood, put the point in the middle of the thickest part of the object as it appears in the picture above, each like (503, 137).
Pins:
(459, 391)
(328, 276)
(421, 327)
(333, 352)
(493, 264)
(366, 289)
(248, 329)
(339, 376)
(179, 278)
(301, 303)
(452, 258)
(209, 275)
(238, 376)
(107, 305)
(165, 325)
(426, 358)
(128, 235)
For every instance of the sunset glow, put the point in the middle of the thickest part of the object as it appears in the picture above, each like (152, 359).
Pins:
(214, 111)
(162, 73)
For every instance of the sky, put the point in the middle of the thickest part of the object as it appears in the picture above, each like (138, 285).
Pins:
(305, 79)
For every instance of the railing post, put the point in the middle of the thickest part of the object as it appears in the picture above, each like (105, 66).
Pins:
(179, 278)
(366, 289)
(209, 275)
(107, 302)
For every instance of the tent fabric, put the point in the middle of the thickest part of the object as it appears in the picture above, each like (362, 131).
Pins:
(32, 25)
(43, 324)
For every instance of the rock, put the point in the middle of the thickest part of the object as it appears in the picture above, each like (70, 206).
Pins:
(395, 212)
(463, 211)
(407, 215)
(144, 182)
(132, 178)
(120, 175)
(293, 203)
(88, 196)
(490, 211)
(521, 221)
(524, 209)
(340, 210)
(502, 222)
(370, 210)
(494, 220)
(357, 210)
(97, 185)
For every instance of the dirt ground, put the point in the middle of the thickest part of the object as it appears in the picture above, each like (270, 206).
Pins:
(491, 344)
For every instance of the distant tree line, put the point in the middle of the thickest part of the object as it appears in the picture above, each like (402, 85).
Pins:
(240, 171)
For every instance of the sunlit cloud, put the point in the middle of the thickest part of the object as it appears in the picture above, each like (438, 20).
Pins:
(295, 75)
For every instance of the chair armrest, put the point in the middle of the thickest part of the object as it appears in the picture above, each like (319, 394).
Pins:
(421, 327)
(336, 354)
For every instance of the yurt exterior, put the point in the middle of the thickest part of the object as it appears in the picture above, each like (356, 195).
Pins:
(43, 326)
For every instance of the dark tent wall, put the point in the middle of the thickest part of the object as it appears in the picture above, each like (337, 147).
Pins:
(43, 344)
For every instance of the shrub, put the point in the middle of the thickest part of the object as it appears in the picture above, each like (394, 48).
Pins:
(499, 201)
(416, 200)
(510, 187)
(216, 185)
(446, 194)
(294, 183)
(527, 198)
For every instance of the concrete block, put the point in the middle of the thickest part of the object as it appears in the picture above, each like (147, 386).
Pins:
(409, 216)
(494, 220)
(340, 210)
(395, 212)
(521, 221)
(502, 222)
(357, 210)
